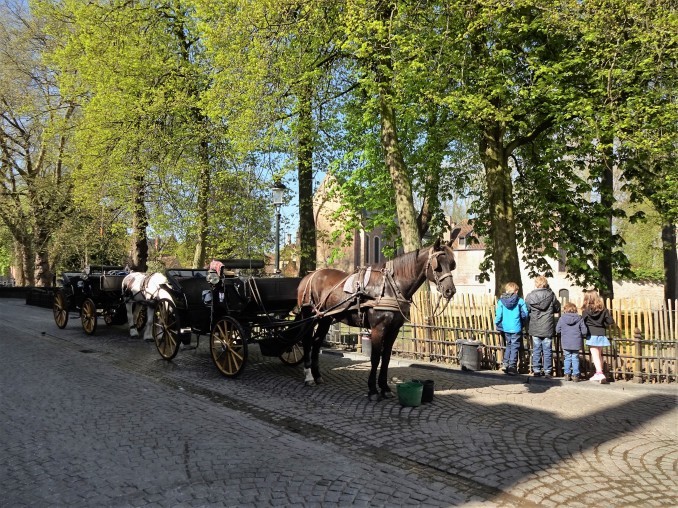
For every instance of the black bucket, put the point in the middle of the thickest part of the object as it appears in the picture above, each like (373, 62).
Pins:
(427, 393)
(469, 354)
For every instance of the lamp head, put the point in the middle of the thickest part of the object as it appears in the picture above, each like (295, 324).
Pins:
(278, 193)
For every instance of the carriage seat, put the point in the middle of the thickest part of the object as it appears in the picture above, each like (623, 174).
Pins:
(277, 294)
(192, 287)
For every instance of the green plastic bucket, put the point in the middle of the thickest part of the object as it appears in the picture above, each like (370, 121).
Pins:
(409, 393)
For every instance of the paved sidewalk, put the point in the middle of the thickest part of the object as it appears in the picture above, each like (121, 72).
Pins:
(486, 439)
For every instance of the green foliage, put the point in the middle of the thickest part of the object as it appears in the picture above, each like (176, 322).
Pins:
(199, 102)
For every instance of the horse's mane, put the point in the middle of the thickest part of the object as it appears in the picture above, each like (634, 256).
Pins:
(405, 265)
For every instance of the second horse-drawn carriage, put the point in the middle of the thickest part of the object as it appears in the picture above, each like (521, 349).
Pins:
(92, 293)
(233, 311)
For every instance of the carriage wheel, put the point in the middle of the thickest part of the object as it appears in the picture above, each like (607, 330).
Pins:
(228, 345)
(88, 316)
(166, 329)
(140, 316)
(294, 355)
(60, 309)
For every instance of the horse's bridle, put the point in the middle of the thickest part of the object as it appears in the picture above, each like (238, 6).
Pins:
(433, 255)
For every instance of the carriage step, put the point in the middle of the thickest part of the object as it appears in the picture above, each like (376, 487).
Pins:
(185, 330)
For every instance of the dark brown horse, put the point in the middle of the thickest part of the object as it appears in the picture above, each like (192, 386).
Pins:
(377, 298)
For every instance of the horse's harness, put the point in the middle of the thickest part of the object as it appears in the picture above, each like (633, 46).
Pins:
(143, 287)
(362, 300)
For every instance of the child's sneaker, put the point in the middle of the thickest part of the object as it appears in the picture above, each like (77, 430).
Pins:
(575, 379)
(568, 377)
(598, 377)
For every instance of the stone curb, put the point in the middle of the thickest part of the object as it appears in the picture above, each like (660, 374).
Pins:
(524, 378)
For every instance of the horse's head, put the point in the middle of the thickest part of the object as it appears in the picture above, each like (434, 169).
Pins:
(439, 268)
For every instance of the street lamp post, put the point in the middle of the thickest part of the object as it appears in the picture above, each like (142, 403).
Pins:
(277, 195)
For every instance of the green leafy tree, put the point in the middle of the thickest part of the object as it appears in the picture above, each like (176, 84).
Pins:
(138, 72)
(35, 188)
(274, 88)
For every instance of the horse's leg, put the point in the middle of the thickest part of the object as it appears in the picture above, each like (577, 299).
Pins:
(375, 357)
(129, 304)
(307, 342)
(389, 340)
(312, 364)
(148, 328)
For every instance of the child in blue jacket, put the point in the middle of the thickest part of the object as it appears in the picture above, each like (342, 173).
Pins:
(509, 316)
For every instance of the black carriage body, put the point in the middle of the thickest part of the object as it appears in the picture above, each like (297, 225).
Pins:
(254, 302)
(233, 311)
(99, 291)
(262, 306)
(187, 287)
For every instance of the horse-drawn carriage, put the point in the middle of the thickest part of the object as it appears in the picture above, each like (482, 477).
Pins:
(93, 292)
(233, 310)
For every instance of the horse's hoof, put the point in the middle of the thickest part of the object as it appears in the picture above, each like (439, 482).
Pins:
(387, 394)
(319, 381)
(133, 333)
(148, 340)
(309, 383)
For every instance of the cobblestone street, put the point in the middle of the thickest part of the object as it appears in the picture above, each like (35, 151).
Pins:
(103, 421)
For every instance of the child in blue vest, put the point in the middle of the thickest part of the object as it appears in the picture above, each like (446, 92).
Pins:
(509, 316)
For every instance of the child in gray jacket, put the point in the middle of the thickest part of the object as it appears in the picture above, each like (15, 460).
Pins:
(572, 330)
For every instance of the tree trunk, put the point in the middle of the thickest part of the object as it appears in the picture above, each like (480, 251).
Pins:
(393, 157)
(607, 201)
(502, 219)
(22, 258)
(203, 210)
(670, 262)
(305, 148)
(43, 272)
(139, 254)
(407, 217)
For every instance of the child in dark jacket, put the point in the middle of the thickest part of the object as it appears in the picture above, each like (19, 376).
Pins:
(542, 305)
(572, 330)
(598, 320)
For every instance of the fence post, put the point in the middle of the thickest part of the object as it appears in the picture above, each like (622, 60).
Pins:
(637, 356)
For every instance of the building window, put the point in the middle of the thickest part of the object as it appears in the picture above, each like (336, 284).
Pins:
(377, 250)
(462, 242)
(357, 249)
(366, 252)
(564, 295)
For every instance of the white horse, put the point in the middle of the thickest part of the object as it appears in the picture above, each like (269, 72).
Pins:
(143, 287)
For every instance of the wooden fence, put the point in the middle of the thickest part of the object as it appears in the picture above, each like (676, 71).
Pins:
(644, 342)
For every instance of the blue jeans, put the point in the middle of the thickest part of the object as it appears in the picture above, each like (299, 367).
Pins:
(571, 365)
(512, 348)
(541, 345)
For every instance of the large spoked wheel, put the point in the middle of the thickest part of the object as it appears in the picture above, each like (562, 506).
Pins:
(294, 355)
(60, 309)
(228, 346)
(166, 329)
(88, 316)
